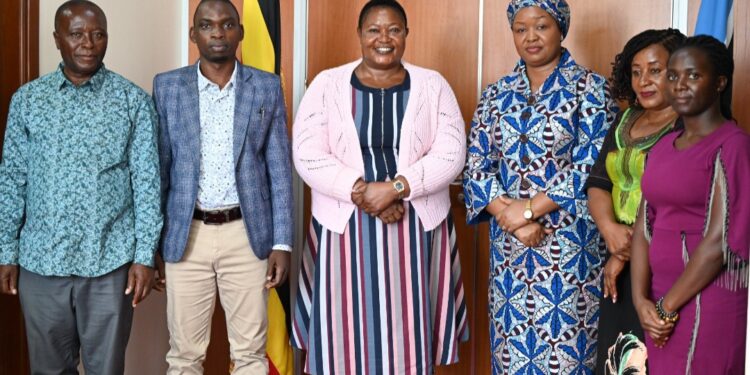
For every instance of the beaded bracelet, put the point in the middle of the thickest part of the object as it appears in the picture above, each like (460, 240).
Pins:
(665, 316)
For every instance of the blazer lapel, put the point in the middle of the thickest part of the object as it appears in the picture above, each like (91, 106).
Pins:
(243, 109)
(190, 103)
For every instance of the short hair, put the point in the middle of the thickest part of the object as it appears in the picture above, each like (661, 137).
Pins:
(622, 88)
(372, 4)
(72, 3)
(231, 4)
(722, 64)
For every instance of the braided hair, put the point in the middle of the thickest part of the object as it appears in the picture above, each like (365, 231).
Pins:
(722, 63)
(622, 88)
(372, 4)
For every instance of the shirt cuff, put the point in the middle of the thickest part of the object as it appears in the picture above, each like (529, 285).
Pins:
(9, 254)
(145, 258)
(282, 247)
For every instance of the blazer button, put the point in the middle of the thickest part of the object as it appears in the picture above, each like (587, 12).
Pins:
(526, 159)
(523, 138)
(531, 100)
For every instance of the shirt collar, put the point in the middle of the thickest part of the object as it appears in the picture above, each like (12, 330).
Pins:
(96, 81)
(204, 83)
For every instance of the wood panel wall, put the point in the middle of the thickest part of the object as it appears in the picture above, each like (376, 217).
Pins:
(449, 46)
(287, 46)
(741, 88)
(596, 33)
(443, 37)
(19, 63)
(19, 55)
(740, 108)
(440, 38)
(446, 41)
(693, 7)
(332, 35)
(217, 355)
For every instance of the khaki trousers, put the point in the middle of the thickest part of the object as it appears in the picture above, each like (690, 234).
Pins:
(217, 257)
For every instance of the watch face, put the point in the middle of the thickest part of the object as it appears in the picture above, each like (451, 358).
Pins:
(527, 214)
(398, 185)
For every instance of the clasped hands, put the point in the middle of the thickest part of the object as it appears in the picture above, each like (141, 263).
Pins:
(509, 216)
(378, 199)
(658, 329)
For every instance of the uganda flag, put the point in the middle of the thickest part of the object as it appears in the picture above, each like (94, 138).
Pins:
(261, 49)
(261, 46)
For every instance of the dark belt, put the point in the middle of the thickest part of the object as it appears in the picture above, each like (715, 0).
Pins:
(216, 217)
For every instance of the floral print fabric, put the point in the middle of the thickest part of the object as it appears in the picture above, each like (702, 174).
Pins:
(543, 300)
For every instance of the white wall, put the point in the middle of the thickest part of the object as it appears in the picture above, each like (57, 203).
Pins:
(145, 38)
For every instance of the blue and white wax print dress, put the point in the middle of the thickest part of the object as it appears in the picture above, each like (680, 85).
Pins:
(543, 300)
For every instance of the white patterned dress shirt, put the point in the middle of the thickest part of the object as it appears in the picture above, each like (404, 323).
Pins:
(217, 187)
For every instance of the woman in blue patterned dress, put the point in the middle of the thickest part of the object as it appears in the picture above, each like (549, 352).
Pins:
(534, 137)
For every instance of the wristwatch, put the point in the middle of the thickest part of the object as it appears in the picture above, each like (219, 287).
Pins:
(528, 214)
(398, 185)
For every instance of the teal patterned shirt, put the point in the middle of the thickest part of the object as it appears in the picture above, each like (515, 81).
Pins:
(79, 179)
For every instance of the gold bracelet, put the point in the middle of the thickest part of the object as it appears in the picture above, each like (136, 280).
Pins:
(672, 317)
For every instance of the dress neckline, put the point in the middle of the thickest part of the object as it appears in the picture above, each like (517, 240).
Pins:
(629, 118)
(724, 127)
(404, 85)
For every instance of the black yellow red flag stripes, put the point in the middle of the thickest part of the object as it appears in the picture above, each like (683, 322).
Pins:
(262, 44)
(261, 49)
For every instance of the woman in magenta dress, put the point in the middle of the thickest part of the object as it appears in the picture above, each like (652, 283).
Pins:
(689, 260)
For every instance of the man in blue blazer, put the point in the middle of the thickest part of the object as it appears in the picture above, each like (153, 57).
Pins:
(227, 194)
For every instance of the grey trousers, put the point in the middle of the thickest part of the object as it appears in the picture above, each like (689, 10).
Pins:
(65, 315)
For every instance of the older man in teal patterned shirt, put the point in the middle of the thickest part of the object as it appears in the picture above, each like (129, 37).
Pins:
(80, 207)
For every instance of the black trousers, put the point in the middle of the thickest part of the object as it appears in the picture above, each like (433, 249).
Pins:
(616, 318)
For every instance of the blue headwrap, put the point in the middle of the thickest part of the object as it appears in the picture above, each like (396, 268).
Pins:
(558, 9)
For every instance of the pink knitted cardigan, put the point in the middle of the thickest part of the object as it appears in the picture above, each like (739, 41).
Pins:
(327, 153)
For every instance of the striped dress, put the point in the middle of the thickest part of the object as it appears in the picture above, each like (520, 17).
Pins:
(380, 298)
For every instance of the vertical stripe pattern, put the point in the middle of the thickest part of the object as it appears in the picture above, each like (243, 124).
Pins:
(378, 114)
(380, 298)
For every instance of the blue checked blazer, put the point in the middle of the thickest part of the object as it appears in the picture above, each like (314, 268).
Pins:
(261, 157)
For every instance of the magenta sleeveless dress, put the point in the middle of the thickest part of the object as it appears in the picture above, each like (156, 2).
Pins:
(678, 186)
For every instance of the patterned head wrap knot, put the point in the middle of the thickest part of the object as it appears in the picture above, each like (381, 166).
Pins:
(558, 9)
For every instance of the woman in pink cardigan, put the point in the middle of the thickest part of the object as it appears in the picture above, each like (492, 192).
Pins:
(378, 141)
